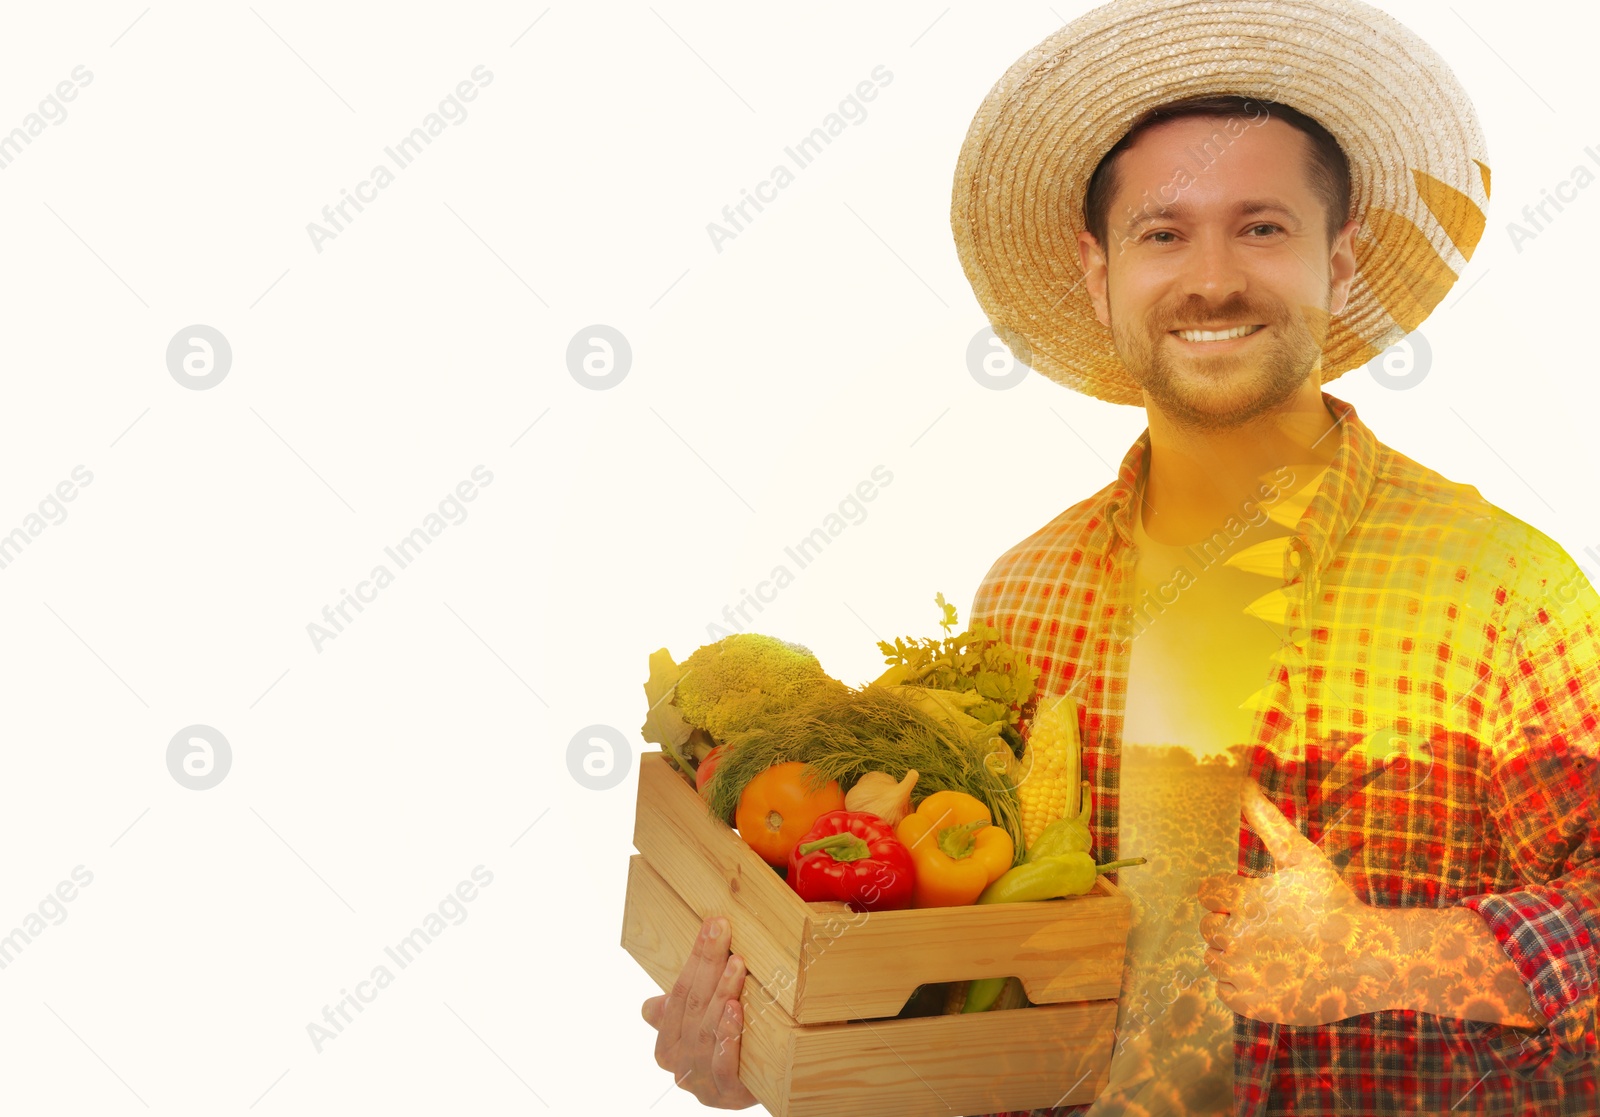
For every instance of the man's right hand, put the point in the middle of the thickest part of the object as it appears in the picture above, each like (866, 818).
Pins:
(698, 1024)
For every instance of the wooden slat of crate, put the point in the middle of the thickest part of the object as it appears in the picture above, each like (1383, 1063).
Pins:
(1028, 1058)
(1068, 950)
(659, 930)
(936, 1066)
(711, 868)
(822, 962)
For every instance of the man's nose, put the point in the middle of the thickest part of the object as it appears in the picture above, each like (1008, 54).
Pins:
(1213, 270)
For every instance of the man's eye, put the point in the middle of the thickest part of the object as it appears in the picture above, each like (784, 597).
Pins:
(1169, 233)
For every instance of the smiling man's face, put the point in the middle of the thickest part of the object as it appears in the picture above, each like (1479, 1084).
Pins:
(1212, 263)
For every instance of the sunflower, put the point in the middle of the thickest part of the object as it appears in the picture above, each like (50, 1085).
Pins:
(1366, 989)
(1380, 941)
(1330, 1004)
(1335, 929)
(1275, 973)
(1187, 1013)
(1477, 1006)
(1419, 974)
(1451, 946)
(1185, 1063)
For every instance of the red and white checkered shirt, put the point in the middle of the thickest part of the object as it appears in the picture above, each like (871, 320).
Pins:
(1431, 723)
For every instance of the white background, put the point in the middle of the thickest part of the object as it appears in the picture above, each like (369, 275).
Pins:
(430, 336)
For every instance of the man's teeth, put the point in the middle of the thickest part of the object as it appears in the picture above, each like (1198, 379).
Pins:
(1216, 335)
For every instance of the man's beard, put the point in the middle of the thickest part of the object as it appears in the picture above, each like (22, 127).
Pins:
(1246, 384)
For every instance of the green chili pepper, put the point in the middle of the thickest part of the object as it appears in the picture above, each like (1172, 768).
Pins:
(982, 992)
(1067, 874)
(1057, 864)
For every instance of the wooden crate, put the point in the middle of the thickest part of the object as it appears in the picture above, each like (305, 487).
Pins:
(823, 981)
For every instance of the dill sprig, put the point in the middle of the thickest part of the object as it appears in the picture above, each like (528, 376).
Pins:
(843, 735)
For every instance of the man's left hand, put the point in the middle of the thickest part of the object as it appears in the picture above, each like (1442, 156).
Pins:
(1292, 947)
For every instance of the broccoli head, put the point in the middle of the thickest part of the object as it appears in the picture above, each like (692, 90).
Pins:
(733, 684)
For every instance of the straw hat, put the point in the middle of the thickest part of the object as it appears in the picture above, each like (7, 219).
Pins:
(1418, 164)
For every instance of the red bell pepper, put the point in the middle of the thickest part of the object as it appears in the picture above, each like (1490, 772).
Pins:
(853, 856)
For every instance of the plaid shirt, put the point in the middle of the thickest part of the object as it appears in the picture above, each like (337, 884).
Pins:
(1431, 723)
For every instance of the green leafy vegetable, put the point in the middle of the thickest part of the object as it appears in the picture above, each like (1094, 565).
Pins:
(663, 724)
(974, 661)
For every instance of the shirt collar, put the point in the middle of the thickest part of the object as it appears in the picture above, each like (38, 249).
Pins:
(1333, 510)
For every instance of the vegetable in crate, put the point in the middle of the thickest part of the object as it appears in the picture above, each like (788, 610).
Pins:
(705, 770)
(778, 807)
(871, 729)
(854, 857)
(723, 688)
(1048, 776)
(878, 793)
(1066, 835)
(984, 995)
(957, 851)
(1050, 878)
(974, 674)
(1051, 871)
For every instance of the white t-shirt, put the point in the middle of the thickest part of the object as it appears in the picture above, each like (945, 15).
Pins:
(1207, 619)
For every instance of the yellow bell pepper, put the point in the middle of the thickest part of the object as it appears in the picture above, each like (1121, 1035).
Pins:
(956, 849)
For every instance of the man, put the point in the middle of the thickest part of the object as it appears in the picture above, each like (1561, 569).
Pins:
(1407, 672)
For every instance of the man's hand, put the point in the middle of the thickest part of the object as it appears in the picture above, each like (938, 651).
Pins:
(1293, 947)
(699, 1022)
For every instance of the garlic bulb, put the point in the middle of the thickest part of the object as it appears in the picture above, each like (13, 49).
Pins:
(878, 793)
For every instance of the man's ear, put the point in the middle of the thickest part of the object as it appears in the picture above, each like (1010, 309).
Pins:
(1342, 266)
(1094, 275)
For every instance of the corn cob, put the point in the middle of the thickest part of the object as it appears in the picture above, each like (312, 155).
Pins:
(1050, 768)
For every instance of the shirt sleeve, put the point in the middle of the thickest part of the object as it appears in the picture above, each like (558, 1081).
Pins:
(1541, 793)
